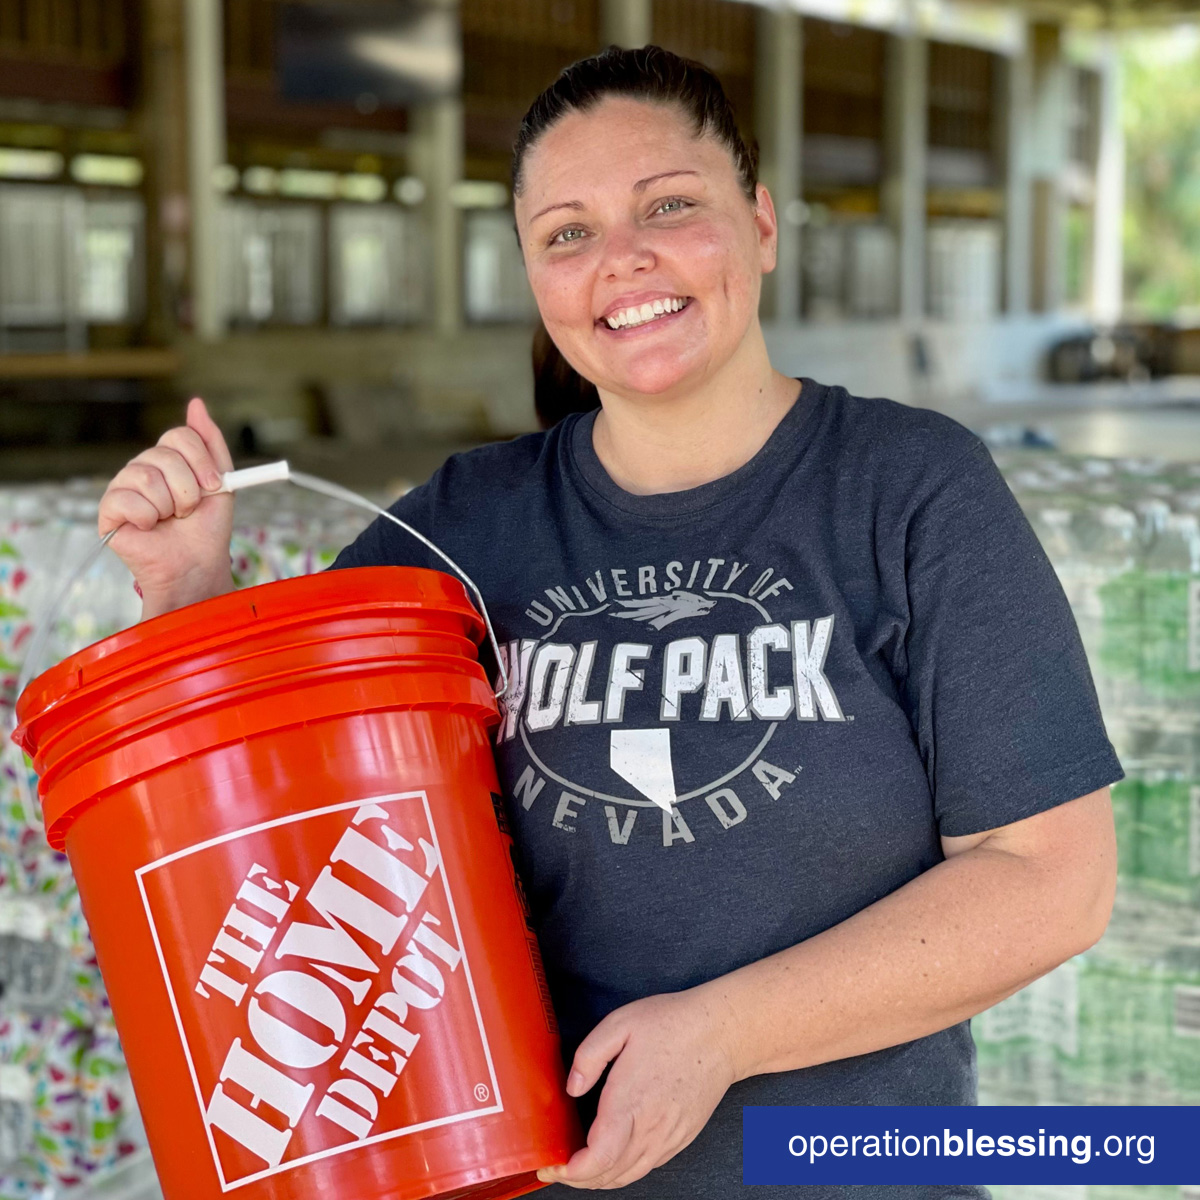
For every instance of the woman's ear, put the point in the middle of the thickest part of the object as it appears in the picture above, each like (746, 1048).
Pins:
(767, 225)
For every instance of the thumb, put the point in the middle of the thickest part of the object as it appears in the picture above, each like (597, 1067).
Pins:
(210, 434)
(595, 1052)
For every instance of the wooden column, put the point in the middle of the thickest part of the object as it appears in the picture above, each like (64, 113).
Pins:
(779, 116)
(203, 41)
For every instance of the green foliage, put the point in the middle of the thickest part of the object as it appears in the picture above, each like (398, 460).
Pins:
(1162, 139)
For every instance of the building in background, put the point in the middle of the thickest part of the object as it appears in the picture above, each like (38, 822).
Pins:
(301, 208)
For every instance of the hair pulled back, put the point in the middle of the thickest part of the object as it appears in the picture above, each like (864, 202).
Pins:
(650, 74)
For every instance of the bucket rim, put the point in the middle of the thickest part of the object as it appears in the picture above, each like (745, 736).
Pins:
(234, 616)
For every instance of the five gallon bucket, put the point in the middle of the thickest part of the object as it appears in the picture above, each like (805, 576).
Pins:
(282, 812)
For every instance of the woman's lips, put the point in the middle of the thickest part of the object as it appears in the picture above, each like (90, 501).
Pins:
(655, 321)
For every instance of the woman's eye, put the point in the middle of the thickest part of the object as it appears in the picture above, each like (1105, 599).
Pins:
(674, 204)
(567, 235)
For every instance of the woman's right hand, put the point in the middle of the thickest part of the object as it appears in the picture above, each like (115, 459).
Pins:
(172, 530)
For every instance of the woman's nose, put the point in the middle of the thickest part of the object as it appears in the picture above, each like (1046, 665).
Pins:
(627, 250)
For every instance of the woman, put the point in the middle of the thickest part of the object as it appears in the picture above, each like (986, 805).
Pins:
(802, 750)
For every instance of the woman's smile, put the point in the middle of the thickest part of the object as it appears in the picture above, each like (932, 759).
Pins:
(628, 316)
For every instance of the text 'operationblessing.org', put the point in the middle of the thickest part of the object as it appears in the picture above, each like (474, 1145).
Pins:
(891, 1143)
(938, 1144)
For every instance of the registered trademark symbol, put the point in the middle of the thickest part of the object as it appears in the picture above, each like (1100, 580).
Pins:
(481, 1092)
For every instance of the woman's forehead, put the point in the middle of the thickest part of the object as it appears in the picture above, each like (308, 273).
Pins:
(616, 145)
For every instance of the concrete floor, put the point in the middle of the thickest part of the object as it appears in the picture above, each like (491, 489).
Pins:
(1168, 433)
(1172, 434)
(1159, 419)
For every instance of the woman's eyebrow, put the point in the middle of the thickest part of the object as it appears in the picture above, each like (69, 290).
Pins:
(639, 187)
(574, 204)
(643, 184)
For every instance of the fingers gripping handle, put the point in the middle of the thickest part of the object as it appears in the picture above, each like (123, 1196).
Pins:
(231, 481)
(234, 481)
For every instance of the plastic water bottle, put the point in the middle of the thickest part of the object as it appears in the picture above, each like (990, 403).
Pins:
(1171, 613)
(1107, 601)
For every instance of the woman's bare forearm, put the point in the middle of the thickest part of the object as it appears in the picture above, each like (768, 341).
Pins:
(950, 943)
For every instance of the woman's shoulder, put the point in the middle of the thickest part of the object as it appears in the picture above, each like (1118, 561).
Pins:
(507, 455)
(878, 435)
(503, 471)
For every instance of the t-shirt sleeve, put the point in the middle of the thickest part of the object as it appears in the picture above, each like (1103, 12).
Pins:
(383, 544)
(998, 687)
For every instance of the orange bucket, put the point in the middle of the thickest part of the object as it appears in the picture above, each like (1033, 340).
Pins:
(282, 812)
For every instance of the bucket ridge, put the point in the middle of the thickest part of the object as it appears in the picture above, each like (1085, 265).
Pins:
(114, 760)
(79, 707)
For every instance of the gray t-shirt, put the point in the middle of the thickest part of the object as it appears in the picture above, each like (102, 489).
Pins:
(849, 646)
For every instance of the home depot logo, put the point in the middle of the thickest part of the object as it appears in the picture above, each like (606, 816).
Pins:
(316, 971)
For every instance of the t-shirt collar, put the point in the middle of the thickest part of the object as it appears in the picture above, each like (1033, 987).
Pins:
(781, 449)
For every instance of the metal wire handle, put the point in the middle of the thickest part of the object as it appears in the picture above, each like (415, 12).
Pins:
(325, 488)
(231, 481)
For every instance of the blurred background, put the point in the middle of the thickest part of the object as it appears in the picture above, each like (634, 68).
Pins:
(300, 209)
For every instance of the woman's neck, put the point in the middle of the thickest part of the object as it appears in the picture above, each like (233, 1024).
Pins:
(654, 444)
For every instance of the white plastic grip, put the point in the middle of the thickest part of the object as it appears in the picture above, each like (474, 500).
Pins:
(234, 481)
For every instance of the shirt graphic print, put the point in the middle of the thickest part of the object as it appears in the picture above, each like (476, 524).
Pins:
(631, 670)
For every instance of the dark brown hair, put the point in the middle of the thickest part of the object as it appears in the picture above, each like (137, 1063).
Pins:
(651, 74)
(558, 389)
(655, 76)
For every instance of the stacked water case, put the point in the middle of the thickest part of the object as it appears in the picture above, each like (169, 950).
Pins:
(1120, 1024)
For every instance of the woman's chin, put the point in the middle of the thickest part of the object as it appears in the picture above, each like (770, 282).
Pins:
(653, 378)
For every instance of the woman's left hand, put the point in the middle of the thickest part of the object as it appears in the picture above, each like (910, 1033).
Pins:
(672, 1063)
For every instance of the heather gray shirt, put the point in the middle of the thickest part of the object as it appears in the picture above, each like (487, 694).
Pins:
(848, 647)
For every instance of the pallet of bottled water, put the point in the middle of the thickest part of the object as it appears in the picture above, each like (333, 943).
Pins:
(1120, 1024)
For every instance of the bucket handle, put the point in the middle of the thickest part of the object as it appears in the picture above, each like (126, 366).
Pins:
(233, 481)
(322, 486)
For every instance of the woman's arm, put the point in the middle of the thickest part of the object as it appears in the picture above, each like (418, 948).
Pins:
(1005, 907)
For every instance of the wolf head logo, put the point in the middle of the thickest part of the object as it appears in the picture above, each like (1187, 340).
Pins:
(662, 610)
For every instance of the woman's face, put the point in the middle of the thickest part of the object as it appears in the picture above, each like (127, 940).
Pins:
(644, 253)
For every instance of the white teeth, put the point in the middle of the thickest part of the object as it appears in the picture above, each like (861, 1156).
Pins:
(639, 315)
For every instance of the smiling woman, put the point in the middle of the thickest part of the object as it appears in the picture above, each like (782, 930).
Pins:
(801, 753)
(646, 237)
